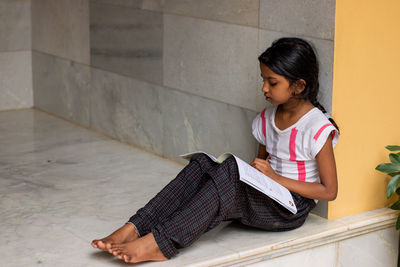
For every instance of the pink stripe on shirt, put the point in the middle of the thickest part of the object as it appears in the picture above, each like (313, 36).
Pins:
(301, 168)
(316, 136)
(264, 128)
(292, 144)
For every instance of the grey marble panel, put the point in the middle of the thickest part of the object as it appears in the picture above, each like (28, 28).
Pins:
(194, 123)
(15, 26)
(211, 59)
(126, 3)
(127, 41)
(230, 11)
(61, 87)
(379, 248)
(308, 17)
(155, 5)
(127, 109)
(16, 80)
(61, 28)
(324, 50)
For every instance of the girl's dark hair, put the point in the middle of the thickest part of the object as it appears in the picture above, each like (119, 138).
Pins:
(295, 59)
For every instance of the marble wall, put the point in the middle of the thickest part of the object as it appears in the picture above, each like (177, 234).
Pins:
(60, 28)
(201, 51)
(166, 77)
(127, 41)
(187, 52)
(62, 87)
(15, 55)
(61, 58)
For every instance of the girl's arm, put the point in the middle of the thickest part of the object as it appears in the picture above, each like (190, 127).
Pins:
(262, 152)
(326, 190)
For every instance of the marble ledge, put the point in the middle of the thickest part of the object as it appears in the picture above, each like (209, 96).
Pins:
(339, 229)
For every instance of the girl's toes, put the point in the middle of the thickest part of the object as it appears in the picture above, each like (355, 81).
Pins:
(94, 243)
(108, 246)
(127, 258)
(114, 247)
(116, 252)
(100, 244)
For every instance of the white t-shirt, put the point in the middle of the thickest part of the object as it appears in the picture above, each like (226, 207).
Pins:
(292, 151)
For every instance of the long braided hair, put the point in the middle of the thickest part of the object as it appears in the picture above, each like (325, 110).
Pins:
(295, 59)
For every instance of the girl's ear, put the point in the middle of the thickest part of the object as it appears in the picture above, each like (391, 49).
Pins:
(299, 86)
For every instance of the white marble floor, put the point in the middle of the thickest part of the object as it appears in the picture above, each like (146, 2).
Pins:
(62, 186)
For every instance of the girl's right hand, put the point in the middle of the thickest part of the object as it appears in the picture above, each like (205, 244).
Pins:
(264, 167)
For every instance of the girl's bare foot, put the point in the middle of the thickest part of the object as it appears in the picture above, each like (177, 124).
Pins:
(124, 234)
(142, 249)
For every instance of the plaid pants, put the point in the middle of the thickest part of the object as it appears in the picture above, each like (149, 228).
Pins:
(202, 195)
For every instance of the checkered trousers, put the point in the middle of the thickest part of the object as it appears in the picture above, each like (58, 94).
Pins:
(202, 195)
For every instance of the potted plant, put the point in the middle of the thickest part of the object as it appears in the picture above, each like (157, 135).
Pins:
(393, 169)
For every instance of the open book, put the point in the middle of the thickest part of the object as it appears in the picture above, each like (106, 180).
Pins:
(256, 179)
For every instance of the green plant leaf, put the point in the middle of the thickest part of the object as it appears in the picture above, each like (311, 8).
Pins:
(394, 158)
(393, 148)
(396, 205)
(388, 167)
(398, 223)
(394, 182)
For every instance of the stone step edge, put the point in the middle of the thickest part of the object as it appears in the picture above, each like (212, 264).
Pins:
(342, 232)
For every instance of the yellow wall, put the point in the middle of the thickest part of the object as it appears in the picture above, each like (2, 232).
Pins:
(366, 100)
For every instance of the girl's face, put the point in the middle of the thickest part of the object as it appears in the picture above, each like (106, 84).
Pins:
(276, 88)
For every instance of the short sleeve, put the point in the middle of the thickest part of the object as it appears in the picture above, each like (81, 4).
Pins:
(258, 128)
(320, 135)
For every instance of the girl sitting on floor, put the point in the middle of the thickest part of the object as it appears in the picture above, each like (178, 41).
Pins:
(296, 150)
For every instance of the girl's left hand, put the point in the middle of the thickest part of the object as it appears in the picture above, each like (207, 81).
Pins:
(263, 166)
